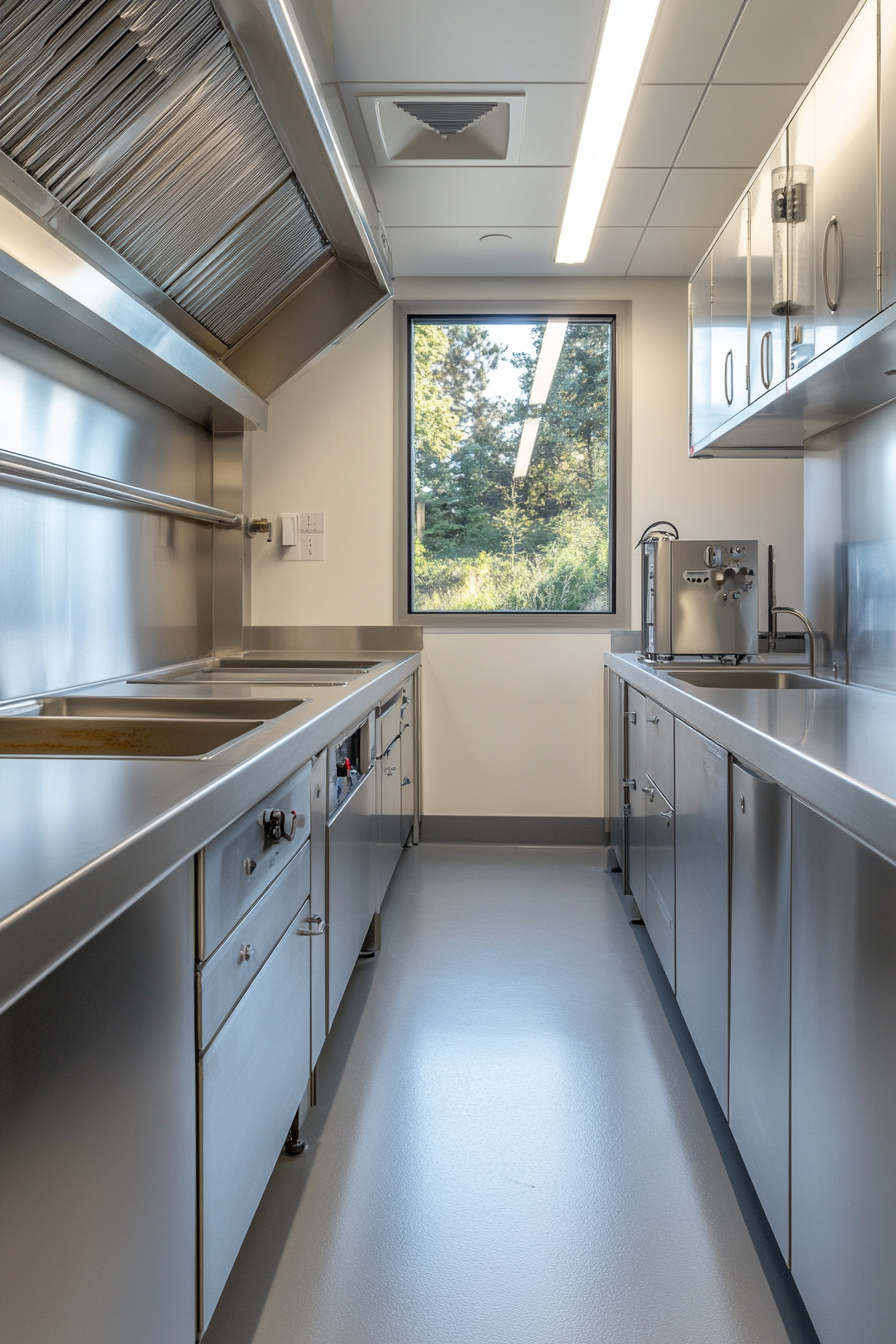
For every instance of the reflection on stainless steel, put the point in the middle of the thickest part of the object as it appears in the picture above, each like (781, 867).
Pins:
(850, 570)
(68, 480)
(180, 738)
(158, 707)
(93, 590)
(748, 678)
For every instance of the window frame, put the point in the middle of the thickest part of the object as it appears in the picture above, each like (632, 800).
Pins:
(619, 311)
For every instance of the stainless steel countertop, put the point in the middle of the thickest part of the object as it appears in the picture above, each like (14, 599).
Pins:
(834, 749)
(84, 838)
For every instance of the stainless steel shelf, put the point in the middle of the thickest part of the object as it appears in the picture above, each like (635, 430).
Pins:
(29, 471)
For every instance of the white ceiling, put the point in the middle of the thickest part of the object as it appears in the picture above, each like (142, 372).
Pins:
(718, 82)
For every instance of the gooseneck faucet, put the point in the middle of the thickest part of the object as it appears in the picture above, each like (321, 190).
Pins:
(792, 611)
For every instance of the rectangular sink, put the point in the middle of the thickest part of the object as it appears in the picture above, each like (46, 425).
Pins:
(160, 707)
(751, 679)
(181, 739)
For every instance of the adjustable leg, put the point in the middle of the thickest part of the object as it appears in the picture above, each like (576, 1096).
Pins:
(294, 1146)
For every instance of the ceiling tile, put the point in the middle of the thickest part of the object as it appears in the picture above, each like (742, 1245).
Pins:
(531, 252)
(695, 197)
(736, 124)
(657, 123)
(670, 251)
(687, 40)
(779, 43)
(525, 40)
(631, 195)
(553, 115)
(470, 196)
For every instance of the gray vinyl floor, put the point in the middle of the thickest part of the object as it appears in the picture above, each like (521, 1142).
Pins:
(509, 1147)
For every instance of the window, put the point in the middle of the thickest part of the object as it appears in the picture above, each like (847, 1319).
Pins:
(512, 464)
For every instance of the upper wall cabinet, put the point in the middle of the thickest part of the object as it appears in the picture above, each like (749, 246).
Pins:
(811, 263)
(888, 151)
(700, 309)
(730, 318)
(768, 273)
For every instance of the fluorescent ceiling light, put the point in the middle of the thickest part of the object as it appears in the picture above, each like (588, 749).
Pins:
(548, 355)
(527, 444)
(622, 49)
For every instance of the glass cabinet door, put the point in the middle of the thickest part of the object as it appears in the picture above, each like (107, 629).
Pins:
(730, 374)
(700, 299)
(768, 273)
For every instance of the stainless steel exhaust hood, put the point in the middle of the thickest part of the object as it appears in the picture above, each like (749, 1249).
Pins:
(185, 150)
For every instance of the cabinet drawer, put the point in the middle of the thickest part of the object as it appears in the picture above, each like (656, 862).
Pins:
(660, 737)
(251, 1081)
(235, 964)
(240, 863)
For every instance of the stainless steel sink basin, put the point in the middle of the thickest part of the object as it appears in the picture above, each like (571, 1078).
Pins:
(750, 679)
(160, 707)
(179, 738)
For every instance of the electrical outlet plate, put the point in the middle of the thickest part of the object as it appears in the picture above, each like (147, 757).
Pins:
(312, 546)
(312, 522)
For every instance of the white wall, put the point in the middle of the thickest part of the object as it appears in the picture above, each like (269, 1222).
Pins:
(512, 721)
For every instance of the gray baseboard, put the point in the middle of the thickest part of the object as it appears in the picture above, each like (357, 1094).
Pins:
(513, 830)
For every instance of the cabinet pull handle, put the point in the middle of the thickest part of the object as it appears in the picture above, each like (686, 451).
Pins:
(833, 223)
(629, 783)
(668, 815)
(631, 715)
(765, 359)
(653, 718)
(646, 789)
(321, 927)
(729, 376)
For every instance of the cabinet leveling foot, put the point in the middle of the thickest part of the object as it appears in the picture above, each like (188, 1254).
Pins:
(294, 1146)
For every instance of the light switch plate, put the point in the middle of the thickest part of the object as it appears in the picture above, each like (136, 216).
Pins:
(312, 546)
(312, 522)
(289, 529)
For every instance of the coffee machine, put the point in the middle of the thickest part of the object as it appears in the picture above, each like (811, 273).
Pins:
(698, 598)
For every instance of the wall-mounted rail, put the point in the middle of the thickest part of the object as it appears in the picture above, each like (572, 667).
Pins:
(29, 471)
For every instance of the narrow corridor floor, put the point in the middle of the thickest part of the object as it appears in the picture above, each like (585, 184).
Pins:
(507, 1147)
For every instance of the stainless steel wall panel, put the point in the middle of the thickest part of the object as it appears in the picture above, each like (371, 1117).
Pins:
(93, 590)
(843, 1071)
(759, 1094)
(98, 1137)
(701, 898)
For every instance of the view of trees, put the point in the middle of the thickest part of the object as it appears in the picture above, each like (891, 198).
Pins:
(485, 539)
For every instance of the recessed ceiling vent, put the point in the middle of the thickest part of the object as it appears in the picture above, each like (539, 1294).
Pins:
(449, 128)
(448, 118)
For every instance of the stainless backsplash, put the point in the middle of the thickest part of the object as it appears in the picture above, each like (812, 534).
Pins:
(91, 590)
(850, 547)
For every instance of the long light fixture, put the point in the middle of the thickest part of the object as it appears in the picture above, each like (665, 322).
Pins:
(527, 444)
(620, 58)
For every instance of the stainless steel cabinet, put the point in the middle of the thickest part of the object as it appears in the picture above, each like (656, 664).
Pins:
(759, 1095)
(408, 760)
(318, 903)
(888, 151)
(844, 167)
(768, 274)
(614, 783)
(700, 310)
(389, 777)
(351, 885)
(98, 1137)
(701, 898)
(843, 1071)
(251, 1080)
(729, 375)
(636, 776)
(658, 908)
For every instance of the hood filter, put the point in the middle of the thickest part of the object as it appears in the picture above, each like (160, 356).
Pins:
(139, 118)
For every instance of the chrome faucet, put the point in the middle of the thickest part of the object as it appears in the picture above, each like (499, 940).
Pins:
(792, 611)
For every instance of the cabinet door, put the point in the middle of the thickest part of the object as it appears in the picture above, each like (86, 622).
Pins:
(658, 909)
(843, 1071)
(636, 773)
(660, 734)
(729, 375)
(408, 776)
(845, 105)
(768, 274)
(701, 898)
(615, 780)
(759, 1095)
(888, 151)
(351, 884)
(700, 308)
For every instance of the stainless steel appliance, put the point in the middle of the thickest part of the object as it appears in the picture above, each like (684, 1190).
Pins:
(698, 597)
(351, 854)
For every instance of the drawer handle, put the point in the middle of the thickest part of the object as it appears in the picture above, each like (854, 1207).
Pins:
(653, 718)
(667, 815)
(274, 824)
(249, 865)
(246, 952)
(321, 927)
(647, 790)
